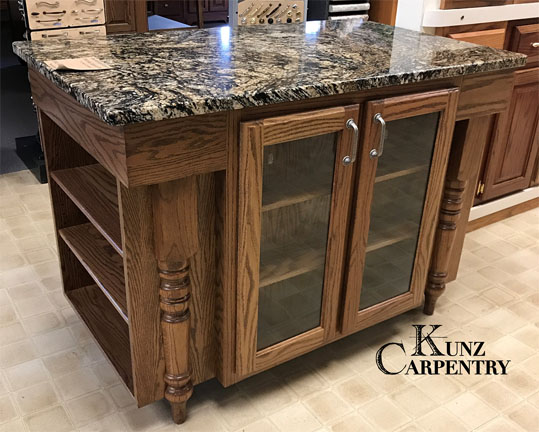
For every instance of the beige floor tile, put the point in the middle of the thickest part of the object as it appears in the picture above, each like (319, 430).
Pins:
(518, 288)
(497, 395)
(413, 401)
(509, 348)
(471, 410)
(18, 276)
(47, 269)
(488, 254)
(43, 323)
(16, 353)
(441, 420)
(534, 400)
(327, 406)
(11, 262)
(384, 414)
(65, 362)
(36, 398)
(295, 418)
(521, 382)
(7, 315)
(148, 418)
(40, 255)
(352, 423)
(440, 388)
(499, 424)
(58, 300)
(26, 374)
(271, 397)
(475, 281)
(106, 374)
(121, 395)
(531, 365)
(77, 383)
(111, 423)
(51, 420)
(12, 333)
(498, 295)
(383, 383)
(494, 274)
(24, 291)
(238, 411)
(89, 408)
(258, 426)
(7, 409)
(305, 383)
(34, 306)
(356, 391)
(526, 416)
(54, 341)
(17, 425)
(80, 331)
(52, 283)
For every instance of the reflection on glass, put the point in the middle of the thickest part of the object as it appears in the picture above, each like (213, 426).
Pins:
(399, 194)
(296, 199)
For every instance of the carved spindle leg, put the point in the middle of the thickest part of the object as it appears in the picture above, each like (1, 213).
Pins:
(176, 240)
(445, 236)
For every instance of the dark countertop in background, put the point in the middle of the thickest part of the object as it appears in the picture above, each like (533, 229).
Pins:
(172, 74)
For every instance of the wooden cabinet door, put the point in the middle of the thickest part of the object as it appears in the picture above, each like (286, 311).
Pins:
(511, 159)
(400, 182)
(294, 198)
(125, 16)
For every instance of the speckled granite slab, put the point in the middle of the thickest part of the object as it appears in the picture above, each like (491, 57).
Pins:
(173, 74)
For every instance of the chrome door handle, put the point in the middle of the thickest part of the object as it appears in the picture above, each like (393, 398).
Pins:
(347, 160)
(376, 153)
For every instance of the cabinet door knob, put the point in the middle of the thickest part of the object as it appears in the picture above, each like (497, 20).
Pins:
(347, 160)
(376, 153)
(535, 44)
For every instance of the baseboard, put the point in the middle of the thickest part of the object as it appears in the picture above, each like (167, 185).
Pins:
(495, 211)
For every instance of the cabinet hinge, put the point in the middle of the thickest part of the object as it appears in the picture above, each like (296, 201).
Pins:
(480, 188)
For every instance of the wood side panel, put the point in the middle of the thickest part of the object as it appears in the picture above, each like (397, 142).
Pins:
(249, 226)
(485, 94)
(203, 346)
(502, 214)
(105, 143)
(142, 291)
(61, 152)
(227, 205)
(171, 149)
(470, 141)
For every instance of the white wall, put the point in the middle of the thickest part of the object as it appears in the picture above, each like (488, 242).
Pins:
(410, 13)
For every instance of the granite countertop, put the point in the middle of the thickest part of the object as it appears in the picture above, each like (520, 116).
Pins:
(163, 75)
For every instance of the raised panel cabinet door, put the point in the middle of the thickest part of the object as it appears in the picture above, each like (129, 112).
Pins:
(218, 5)
(295, 186)
(511, 159)
(403, 160)
(125, 16)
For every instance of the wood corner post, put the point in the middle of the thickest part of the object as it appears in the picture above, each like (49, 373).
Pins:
(176, 241)
(445, 236)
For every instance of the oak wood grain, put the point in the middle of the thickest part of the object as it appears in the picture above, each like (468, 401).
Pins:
(105, 143)
(100, 260)
(93, 190)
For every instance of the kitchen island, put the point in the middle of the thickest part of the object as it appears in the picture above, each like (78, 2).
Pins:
(228, 199)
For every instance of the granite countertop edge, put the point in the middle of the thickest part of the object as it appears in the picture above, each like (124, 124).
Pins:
(115, 116)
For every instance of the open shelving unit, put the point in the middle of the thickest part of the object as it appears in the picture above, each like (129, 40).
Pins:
(97, 245)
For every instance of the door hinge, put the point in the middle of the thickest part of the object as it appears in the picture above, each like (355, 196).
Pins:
(480, 188)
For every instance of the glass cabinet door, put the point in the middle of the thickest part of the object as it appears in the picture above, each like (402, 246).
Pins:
(402, 171)
(295, 187)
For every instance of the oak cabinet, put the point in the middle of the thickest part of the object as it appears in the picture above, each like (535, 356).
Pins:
(335, 224)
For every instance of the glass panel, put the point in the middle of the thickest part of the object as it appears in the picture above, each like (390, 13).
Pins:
(296, 201)
(399, 195)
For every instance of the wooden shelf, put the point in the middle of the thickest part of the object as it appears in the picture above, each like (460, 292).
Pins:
(94, 192)
(284, 194)
(103, 264)
(393, 235)
(401, 173)
(293, 259)
(111, 332)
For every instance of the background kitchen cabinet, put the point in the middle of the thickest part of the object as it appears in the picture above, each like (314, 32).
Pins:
(125, 16)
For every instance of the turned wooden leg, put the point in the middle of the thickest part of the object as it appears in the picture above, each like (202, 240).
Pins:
(175, 218)
(445, 236)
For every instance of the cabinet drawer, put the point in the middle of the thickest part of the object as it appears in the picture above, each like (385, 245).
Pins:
(492, 38)
(525, 40)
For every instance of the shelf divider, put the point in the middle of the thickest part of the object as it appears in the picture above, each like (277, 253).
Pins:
(93, 190)
(101, 261)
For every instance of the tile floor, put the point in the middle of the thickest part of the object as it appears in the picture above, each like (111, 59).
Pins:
(54, 378)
